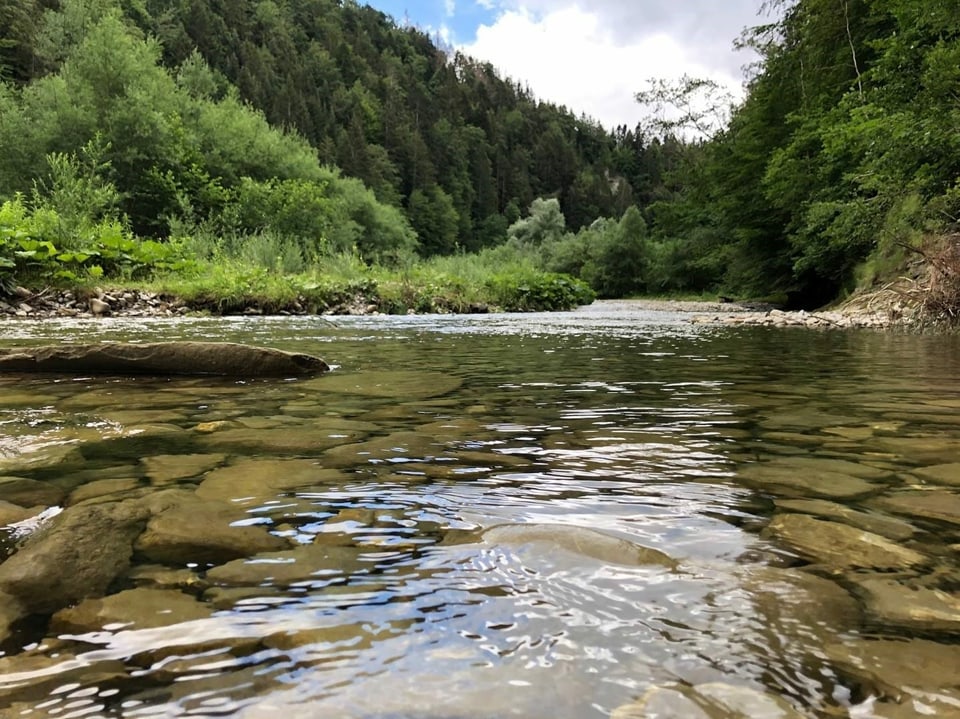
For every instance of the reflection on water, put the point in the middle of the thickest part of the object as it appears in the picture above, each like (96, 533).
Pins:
(600, 513)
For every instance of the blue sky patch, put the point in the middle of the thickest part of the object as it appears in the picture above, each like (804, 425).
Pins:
(462, 17)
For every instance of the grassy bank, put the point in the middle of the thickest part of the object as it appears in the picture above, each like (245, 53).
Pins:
(266, 273)
(345, 284)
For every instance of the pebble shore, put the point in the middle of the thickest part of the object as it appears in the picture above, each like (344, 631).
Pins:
(24, 303)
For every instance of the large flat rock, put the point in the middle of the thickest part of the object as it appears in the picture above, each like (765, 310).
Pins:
(838, 544)
(891, 603)
(162, 358)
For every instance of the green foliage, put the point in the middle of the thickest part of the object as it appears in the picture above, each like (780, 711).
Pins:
(31, 247)
(539, 292)
(435, 220)
(619, 258)
(545, 223)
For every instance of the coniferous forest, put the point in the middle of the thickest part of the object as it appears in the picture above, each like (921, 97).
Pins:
(313, 139)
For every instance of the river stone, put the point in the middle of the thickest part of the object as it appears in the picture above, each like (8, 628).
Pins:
(398, 384)
(270, 422)
(11, 609)
(141, 416)
(33, 678)
(139, 608)
(944, 705)
(211, 427)
(899, 664)
(303, 439)
(250, 480)
(311, 562)
(795, 479)
(857, 434)
(841, 466)
(162, 358)
(803, 418)
(396, 446)
(662, 703)
(249, 687)
(944, 474)
(20, 400)
(199, 531)
(54, 456)
(736, 702)
(326, 640)
(103, 488)
(29, 492)
(839, 545)
(794, 438)
(891, 668)
(167, 468)
(77, 555)
(893, 604)
(889, 527)
(229, 597)
(158, 576)
(921, 449)
(10, 513)
(578, 540)
(797, 604)
(943, 506)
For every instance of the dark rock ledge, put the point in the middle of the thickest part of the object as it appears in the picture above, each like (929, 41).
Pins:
(225, 359)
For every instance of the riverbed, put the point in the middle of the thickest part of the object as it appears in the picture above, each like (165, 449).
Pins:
(605, 512)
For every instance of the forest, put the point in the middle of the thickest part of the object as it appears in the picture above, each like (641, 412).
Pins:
(245, 146)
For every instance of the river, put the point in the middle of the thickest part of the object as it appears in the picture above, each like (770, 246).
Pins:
(605, 512)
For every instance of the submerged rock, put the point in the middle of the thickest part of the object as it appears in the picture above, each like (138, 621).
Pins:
(905, 672)
(77, 555)
(663, 703)
(942, 506)
(707, 701)
(838, 544)
(104, 489)
(401, 384)
(806, 478)
(302, 439)
(201, 531)
(29, 492)
(162, 358)
(796, 605)
(943, 474)
(578, 540)
(167, 468)
(278, 569)
(889, 527)
(11, 513)
(918, 609)
(158, 576)
(42, 456)
(11, 610)
(250, 480)
(140, 608)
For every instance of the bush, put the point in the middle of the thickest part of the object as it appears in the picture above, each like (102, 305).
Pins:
(539, 292)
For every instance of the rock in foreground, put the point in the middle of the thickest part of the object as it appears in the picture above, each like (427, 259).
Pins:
(162, 358)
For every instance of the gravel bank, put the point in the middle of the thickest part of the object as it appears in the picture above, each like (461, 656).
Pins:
(27, 304)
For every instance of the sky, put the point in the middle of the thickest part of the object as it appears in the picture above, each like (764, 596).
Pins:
(592, 56)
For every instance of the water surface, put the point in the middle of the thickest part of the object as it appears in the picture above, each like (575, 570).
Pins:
(553, 515)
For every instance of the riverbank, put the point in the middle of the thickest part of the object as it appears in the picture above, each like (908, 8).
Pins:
(860, 312)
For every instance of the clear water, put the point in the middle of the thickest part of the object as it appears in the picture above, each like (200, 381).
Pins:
(406, 589)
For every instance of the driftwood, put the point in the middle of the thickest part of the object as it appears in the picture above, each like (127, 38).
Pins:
(224, 359)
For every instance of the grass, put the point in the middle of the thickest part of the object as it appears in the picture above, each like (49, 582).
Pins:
(341, 283)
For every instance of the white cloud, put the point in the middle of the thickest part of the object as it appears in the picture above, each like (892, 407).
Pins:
(582, 59)
(449, 7)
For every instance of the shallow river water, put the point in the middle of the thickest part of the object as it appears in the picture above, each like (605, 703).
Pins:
(607, 512)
